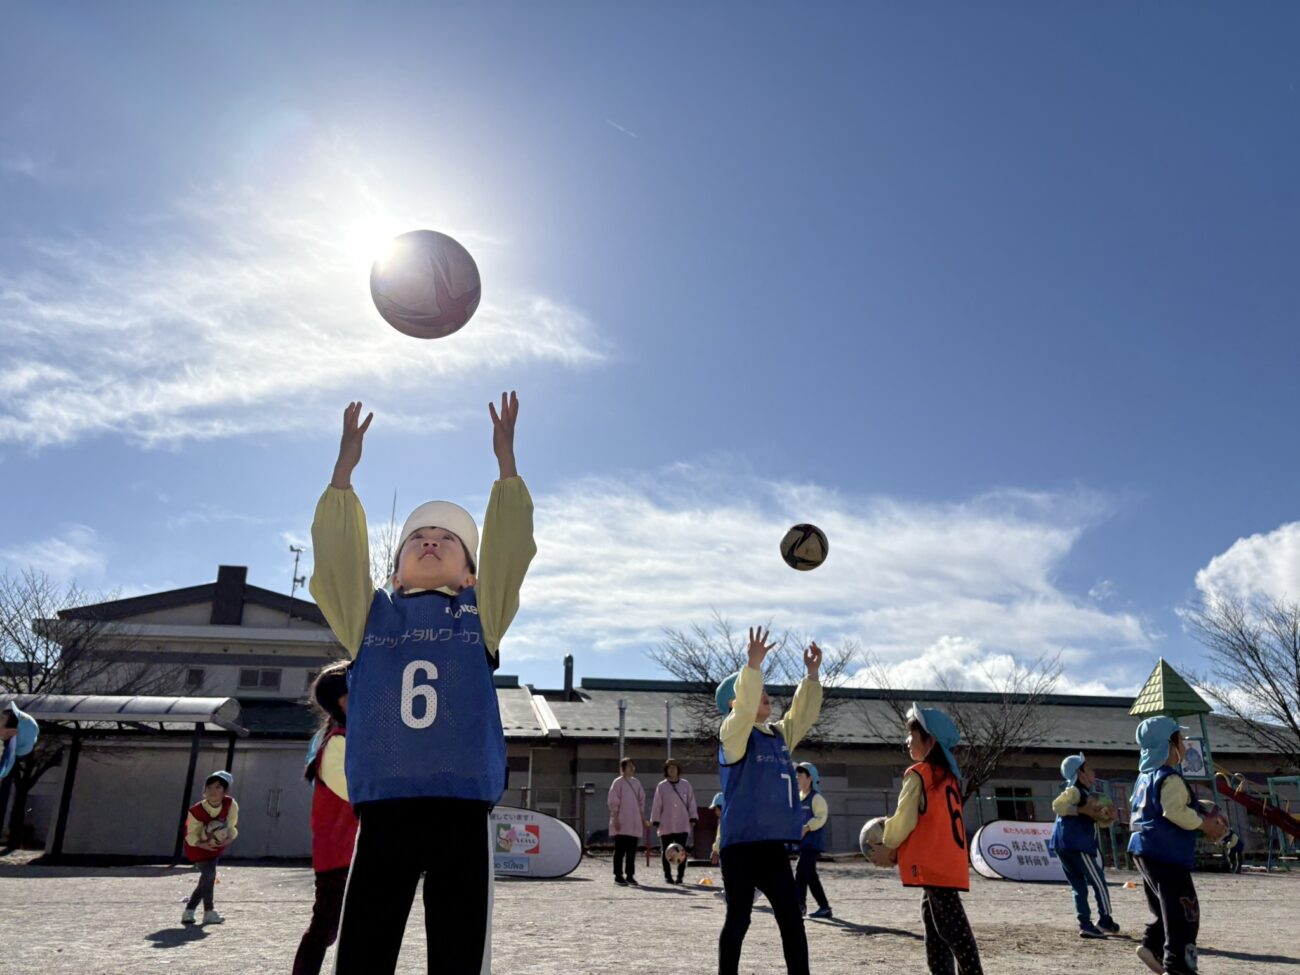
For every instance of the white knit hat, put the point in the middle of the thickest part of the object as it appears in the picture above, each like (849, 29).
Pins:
(444, 514)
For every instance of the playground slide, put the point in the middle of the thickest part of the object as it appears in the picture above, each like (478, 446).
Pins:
(1270, 814)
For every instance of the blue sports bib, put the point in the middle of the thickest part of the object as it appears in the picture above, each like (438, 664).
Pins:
(423, 720)
(760, 793)
(814, 839)
(1153, 836)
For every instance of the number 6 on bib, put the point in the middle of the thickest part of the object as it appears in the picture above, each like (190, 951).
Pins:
(411, 690)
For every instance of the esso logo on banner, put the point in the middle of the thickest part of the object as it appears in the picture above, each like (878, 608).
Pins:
(999, 852)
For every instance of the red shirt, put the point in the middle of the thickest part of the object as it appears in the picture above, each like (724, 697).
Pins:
(196, 854)
(333, 823)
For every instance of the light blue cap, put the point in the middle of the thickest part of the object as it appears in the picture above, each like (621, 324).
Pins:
(813, 774)
(224, 776)
(1070, 768)
(20, 744)
(940, 727)
(717, 801)
(1153, 736)
(725, 693)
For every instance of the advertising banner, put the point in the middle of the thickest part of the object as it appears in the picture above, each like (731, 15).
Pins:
(1006, 850)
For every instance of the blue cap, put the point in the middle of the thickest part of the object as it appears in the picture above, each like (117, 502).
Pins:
(725, 693)
(1070, 768)
(1153, 736)
(938, 726)
(224, 776)
(20, 744)
(717, 801)
(813, 774)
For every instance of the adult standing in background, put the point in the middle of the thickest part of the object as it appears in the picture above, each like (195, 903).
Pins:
(627, 822)
(673, 813)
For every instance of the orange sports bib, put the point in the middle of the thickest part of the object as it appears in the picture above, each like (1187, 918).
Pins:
(935, 853)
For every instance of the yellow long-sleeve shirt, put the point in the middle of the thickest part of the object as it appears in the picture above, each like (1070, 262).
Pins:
(341, 583)
(1068, 802)
(736, 726)
(899, 826)
(1176, 802)
(332, 765)
(820, 811)
(194, 829)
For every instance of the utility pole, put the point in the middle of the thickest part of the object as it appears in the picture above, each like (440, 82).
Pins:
(298, 580)
(622, 725)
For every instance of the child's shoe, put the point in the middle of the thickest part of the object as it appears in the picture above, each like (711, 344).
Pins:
(212, 917)
(821, 912)
(187, 916)
(1090, 930)
(1108, 925)
(1148, 958)
(631, 882)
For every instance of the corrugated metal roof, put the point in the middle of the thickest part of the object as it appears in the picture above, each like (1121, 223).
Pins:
(223, 712)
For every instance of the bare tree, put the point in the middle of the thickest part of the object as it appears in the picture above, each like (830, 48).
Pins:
(1004, 716)
(1254, 650)
(704, 654)
(52, 641)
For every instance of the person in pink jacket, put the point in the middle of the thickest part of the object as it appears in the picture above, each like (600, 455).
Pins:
(673, 813)
(627, 822)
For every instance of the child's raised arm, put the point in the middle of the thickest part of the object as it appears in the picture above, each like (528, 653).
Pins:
(508, 546)
(340, 580)
(807, 703)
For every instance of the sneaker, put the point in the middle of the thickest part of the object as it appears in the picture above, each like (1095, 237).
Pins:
(1108, 925)
(212, 917)
(1148, 958)
(631, 881)
(620, 881)
(822, 912)
(187, 916)
(1090, 930)
(669, 880)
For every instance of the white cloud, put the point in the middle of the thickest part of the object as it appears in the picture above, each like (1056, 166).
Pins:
(244, 310)
(1259, 565)
(75, 554)
(916, 584)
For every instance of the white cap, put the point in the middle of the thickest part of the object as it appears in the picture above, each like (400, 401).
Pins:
(443, 514)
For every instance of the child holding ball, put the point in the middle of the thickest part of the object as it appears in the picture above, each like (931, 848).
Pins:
(760, 811)
(1074, 838)
(210, 827)
(926, 837)
(425, 756)
(1164, 821)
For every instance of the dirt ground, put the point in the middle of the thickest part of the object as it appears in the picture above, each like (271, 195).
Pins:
(64, 920)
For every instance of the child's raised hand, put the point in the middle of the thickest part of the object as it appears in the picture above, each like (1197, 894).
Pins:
(812, 659)
(759, 648)
(350, 445)
(503, 433)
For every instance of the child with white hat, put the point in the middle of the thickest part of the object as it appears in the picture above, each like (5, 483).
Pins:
(426, 752)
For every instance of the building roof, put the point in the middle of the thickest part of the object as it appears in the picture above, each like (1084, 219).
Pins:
(867, 717)
(228, 595)
(1165, 692)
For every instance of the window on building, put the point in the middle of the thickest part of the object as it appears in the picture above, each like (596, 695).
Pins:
(1015, 802)
(311, 679)
(258, 679)
(194, 678)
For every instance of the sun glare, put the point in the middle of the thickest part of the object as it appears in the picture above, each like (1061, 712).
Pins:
(371, 239)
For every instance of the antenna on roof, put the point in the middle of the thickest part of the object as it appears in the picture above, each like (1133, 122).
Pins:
(298, 580)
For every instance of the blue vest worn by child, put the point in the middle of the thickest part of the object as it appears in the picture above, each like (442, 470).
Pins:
(423, 720)
(814, 839)
(760, 793)
(1077, 832)
(1155, 837)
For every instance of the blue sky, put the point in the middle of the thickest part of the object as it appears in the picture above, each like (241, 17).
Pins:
(1004, 298)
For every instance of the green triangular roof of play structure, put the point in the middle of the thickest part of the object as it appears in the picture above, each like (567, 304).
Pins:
(1165, 692)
